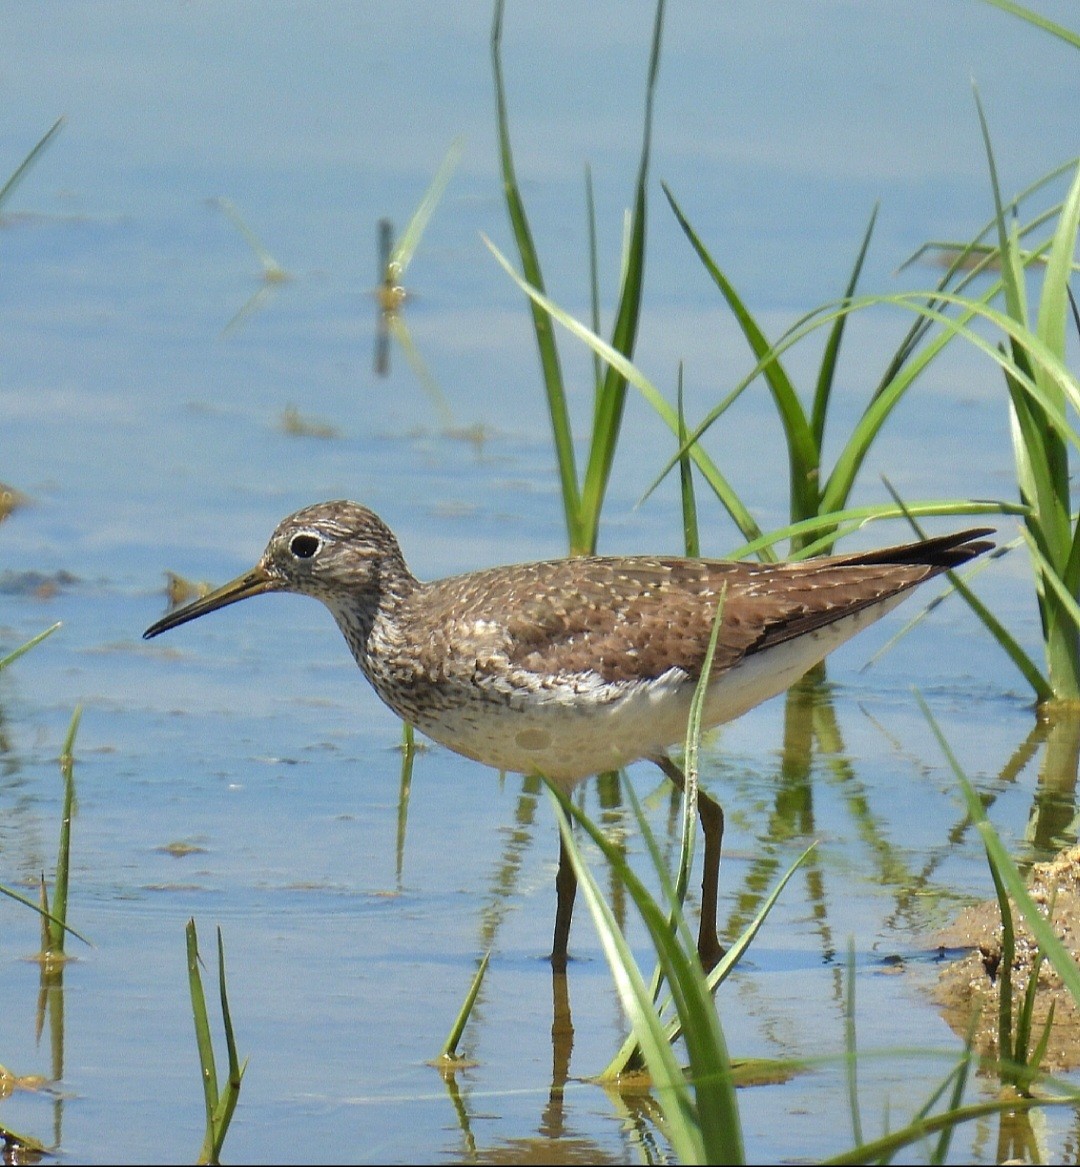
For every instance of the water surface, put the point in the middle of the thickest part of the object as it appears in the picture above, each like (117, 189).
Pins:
(148, 437)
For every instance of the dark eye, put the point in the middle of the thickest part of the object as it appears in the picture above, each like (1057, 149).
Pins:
(304, 546)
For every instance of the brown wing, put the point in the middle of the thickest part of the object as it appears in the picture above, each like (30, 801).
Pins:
(636, 617)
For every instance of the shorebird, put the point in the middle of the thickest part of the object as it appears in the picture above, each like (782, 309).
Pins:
(571, 667)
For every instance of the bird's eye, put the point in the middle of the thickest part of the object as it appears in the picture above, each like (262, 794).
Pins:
(304, 546)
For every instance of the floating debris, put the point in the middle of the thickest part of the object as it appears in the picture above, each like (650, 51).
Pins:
(180, 590)
(180, 849)
(297, 426)
(10, 500)
(37, 584)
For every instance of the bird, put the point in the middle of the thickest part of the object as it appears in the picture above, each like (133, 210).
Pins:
(565, 668)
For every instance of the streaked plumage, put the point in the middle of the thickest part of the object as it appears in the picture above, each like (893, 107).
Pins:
(569, 667)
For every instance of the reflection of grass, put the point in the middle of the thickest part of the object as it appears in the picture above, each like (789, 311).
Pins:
(391, 293)
(54, 926)
(273, 274)
(701, 1108)
(53, 922)
(19, 1148)
(700, 1105)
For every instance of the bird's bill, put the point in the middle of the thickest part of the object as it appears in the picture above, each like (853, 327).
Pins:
(252, 583)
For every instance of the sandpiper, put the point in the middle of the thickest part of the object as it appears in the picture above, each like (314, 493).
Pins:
(570, 667)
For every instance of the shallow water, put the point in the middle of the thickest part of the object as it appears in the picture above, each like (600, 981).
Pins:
(148, 436)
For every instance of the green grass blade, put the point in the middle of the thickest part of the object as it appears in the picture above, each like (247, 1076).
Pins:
(1054, 303)
(628, 1056)
(1002, 863)
(46, 915)
(987, 255)
(882, 1150)
(1012, 285)
(840, 523)
(273, 272)
(688, 444)
(1005, 640)
(1059, 376)
(691, 749)
(1006, 1049)
(594, 288)
(226, 1105)
(612, 396)
(840, 481)
(403, 251)
(1051, 577)
(804, 454)
(554, 386)
(60, 894)
(691, 535)
(1061, 622)
(1011, 208)
(208, 1070)
(1053, 312)
(1022, 1040)
(635, 377)
(1039, 1052)
(959, 1078)
(20, 1148)
(683, 1122)
(958, 583)
(1042, 22)
(827, 371)
(851, 1054)
(25, 648)
(449, 1053)
(20, 171)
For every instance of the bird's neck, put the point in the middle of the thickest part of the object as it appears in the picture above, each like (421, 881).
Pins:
(371, 615)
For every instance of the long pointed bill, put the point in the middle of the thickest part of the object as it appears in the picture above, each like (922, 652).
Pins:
(252, 583)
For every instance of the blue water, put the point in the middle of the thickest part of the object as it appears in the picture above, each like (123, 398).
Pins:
(147, 435)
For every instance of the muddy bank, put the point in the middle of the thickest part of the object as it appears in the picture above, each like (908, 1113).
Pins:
(971, 983)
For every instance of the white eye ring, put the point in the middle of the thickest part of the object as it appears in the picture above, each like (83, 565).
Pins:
(305, 545)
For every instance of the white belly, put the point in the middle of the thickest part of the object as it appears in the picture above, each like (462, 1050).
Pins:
(568, 735)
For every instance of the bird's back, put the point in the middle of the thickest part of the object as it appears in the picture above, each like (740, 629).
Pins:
(571, 666)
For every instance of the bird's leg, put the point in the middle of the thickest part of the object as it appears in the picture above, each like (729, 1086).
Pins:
(565, 891)
(711, 814)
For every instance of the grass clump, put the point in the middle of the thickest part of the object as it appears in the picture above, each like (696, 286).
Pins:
(583, 496)
(219, 1105)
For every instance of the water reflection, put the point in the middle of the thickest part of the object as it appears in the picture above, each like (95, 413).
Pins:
(810, 730)
(273, 274)
(1052, 823)
(556, 1140)
(390, 324)
(50, 1008)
